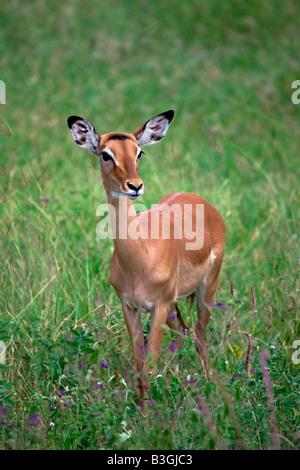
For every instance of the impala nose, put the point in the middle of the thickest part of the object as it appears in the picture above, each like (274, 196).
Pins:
(133, 187)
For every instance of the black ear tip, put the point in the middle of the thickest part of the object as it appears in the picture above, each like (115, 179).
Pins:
(169, 114)
(72, 119)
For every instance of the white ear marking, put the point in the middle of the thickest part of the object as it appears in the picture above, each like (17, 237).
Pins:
(154, 129)
(83, 133)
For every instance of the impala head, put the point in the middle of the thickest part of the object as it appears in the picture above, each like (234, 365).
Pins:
(120, 152)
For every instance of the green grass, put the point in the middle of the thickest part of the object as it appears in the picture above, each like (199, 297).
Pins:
(227, 69)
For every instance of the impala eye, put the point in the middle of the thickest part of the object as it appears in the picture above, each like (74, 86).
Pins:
(106, 157)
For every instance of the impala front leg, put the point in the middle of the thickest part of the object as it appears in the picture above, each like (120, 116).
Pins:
(134, 326)
(159, 318)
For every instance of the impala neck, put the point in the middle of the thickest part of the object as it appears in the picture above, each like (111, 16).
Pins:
(125, 223)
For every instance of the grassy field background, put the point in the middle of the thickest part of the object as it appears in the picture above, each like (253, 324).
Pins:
(226, 68)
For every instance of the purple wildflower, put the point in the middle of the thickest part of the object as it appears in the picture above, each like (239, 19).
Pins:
(34, 420)
(113, 394)
(172, 346)
(237, 301)
(146, 402)
(253, 371)
(191, 381)
(81, 365)
(69, 338)
(63, 392)
(226, 308)
(104, 365)
(72, 191)
(217, 304)
(45, 199)
(237, 376)
(222, 305)
(173, 315)
(4, 411)
(96, 387)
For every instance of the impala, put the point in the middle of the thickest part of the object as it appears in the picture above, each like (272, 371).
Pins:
(150, 274)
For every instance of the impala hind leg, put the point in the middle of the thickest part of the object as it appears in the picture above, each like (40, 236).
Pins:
(205, 295)
(134, 326)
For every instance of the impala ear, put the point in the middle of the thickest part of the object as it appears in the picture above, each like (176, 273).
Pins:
(154, 129)
(83, 133)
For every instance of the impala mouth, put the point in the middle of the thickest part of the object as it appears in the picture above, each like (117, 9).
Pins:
(133, 194)
(130, 194)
